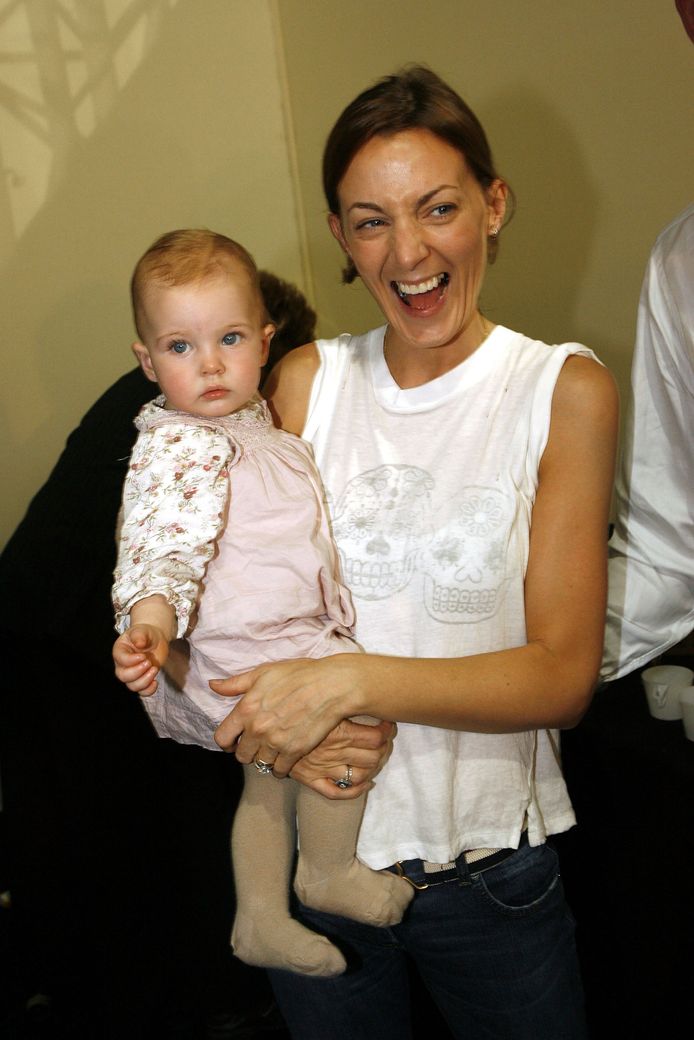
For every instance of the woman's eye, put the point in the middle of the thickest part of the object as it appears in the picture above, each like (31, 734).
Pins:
(373, 222)
(443, 209)
(178, 346)
(231, 339)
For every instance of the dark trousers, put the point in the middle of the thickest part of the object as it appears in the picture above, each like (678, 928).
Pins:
(495, 950)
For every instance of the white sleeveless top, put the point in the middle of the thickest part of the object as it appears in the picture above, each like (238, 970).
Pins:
(431, 492)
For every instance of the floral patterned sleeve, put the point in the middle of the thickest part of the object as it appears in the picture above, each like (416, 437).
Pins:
(174, 507)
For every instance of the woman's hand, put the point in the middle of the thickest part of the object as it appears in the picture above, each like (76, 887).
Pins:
(365, 748)
(288, 709)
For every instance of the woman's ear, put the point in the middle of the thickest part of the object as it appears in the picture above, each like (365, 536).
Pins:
(497, 194)
(350, 272)
(335, 225)
(144, 360)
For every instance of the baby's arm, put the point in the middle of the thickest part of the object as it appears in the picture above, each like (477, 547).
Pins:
(174, 507)
(142, 649)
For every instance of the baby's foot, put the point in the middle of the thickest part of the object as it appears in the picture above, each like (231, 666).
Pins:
(371, 896)
(275, 941)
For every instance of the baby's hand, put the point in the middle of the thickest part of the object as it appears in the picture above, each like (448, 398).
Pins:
(138, 655)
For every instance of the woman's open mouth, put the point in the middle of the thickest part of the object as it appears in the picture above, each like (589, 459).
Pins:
(422, 295)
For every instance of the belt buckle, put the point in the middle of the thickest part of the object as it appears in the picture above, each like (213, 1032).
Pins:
(401, 873)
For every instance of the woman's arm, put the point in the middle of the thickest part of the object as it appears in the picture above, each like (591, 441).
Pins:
(548, 682)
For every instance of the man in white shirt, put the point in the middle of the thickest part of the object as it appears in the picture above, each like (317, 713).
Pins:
(651, 568)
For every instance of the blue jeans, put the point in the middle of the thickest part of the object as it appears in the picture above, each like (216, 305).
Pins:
(495, 948)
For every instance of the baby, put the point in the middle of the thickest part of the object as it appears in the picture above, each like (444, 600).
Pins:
(226, 561)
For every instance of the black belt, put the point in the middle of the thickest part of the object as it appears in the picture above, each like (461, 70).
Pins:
(459, 871)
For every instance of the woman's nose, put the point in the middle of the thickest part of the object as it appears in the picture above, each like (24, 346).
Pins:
(409, 244)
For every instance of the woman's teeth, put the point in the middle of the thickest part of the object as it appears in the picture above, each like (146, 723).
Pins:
(408, 289)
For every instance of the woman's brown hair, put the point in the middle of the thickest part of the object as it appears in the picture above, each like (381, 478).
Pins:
(414, 98)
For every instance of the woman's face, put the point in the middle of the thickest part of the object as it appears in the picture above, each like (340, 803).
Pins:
(415, 221)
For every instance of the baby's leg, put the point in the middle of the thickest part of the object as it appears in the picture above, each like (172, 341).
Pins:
(263, 844)
(329, 877)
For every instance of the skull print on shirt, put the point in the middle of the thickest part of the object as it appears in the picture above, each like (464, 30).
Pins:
(390, 530)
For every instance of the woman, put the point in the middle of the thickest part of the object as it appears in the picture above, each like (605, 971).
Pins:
(470, 471)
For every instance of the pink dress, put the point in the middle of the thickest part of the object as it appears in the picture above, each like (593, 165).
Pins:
(226, 518)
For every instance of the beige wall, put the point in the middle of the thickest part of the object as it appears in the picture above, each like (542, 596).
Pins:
(174, 113)
(129, 118)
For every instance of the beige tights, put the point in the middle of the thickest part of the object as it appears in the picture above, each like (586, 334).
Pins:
(328, 875)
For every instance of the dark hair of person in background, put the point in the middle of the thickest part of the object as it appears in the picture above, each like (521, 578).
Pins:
(413, 99)
(290, 313)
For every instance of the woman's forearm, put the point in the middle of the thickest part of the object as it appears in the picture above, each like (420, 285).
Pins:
(288, 708)
(528, 687)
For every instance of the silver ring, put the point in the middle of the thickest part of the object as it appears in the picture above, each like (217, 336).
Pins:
(263, 767)
(346, 780)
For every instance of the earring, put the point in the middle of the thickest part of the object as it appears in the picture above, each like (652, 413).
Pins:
(493, 232)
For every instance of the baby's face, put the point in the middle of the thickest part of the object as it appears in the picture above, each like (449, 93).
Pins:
(205, 343)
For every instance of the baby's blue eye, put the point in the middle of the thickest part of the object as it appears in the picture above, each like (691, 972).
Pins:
(179, 346)
(231, 339)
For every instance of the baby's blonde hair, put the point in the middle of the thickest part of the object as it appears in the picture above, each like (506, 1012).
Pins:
(186, 256)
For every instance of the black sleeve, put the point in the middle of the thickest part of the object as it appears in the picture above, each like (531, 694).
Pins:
(58, 564)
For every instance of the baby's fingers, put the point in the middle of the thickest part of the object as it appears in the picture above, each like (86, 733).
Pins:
(149, 689)
(145, 686)
(142, 638)
(139, 677)
(125, 657)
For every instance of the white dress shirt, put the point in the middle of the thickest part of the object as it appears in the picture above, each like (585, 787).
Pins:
(651, 568)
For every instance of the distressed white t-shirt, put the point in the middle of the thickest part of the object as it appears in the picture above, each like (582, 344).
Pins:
(431, 491)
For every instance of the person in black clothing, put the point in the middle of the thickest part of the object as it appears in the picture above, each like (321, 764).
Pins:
(117, 842)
